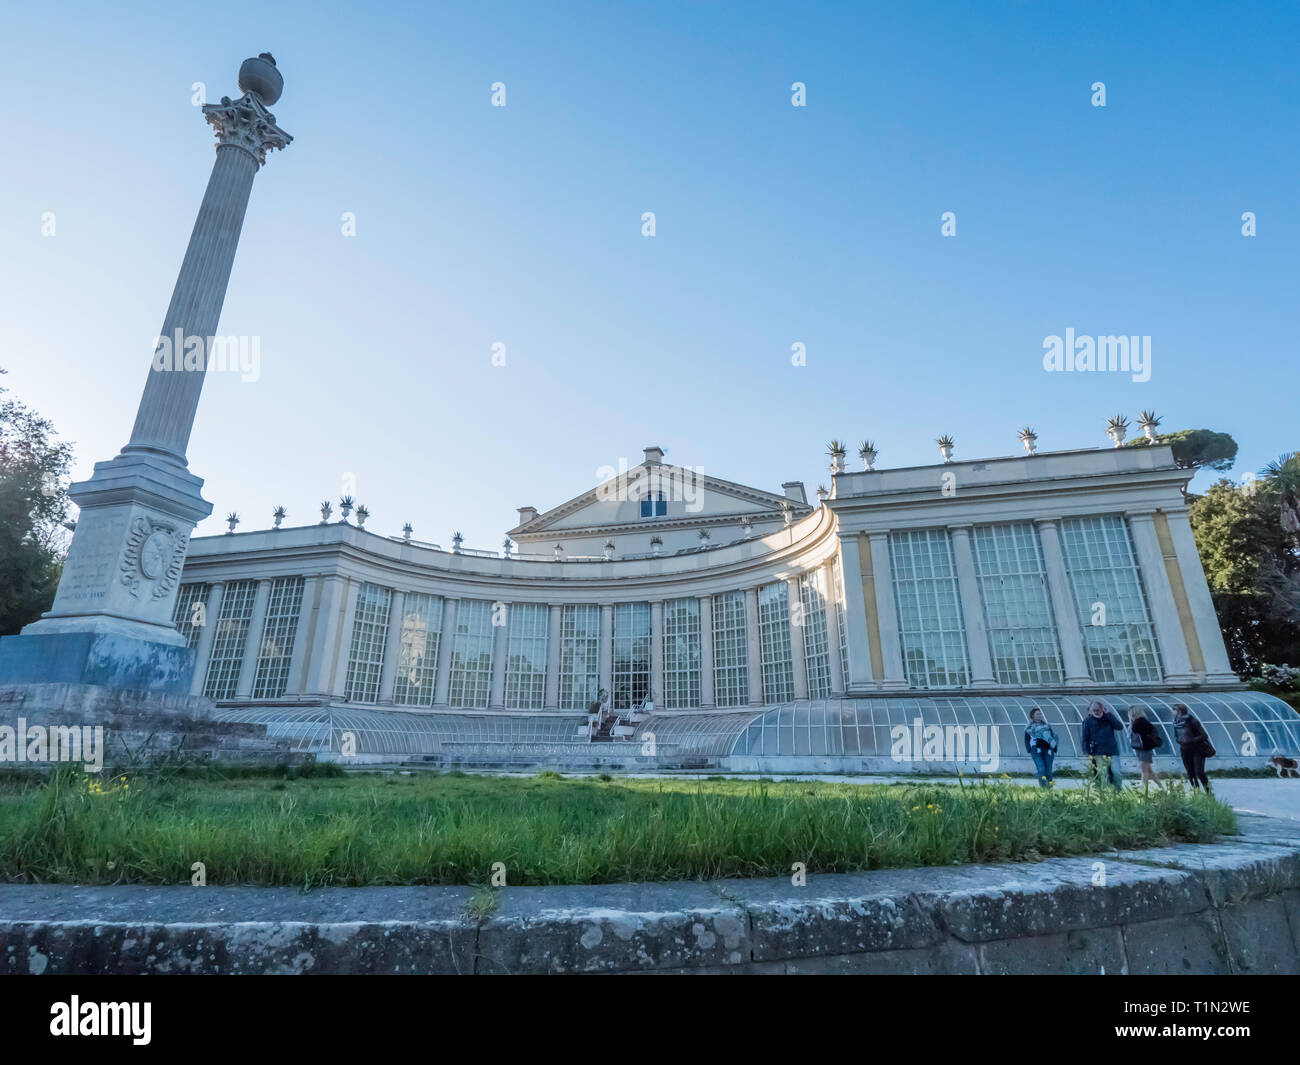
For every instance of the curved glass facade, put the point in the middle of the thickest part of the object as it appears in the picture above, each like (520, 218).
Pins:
(1235, 721)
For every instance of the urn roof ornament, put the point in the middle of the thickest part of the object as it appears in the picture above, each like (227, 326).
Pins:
(247, 123)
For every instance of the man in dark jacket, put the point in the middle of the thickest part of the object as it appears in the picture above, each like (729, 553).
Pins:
(1099, 728)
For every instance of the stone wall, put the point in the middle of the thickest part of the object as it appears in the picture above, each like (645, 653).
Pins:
(142, 727)
(1232, 907)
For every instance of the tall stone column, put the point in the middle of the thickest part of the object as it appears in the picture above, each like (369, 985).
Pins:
(1218, 668)
(1068, 632)
(606, 659)
(300, 659)
(861, 676)
(798, 650)
(347, 627)
(972, 610)
(203, 650)
(891, 640)
(500, 650)
(753, 648)
(325, 638)
(388, 676)
(552, 700)
(446, 642)
(137, 511)
(657, 653)
(706, 651)
(832, 630)
(1160, 601)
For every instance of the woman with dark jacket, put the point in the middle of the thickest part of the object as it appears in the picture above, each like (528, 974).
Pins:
(1145, 741)
(1194, 744)
(1040, 742)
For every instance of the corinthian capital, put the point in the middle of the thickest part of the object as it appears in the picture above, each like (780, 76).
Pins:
(246, 123)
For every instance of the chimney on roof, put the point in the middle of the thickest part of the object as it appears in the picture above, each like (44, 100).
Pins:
(527, 514)
(654, 456)
(794, 491)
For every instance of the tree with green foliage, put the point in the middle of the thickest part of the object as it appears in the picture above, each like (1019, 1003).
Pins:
(1248, 537)
(1196, 449)
(33, 504)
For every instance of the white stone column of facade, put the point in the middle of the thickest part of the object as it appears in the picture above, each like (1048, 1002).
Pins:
(607, 649)
(253, 641)
(1218, 667)
(388, 676)
(1164, 613)
(1068, 633)
(552, 700)
(500, 648)
(324, 644)
(753, 648)
(302, 637)
(447, 638)
(657, 653)
(203, 649)
(347, 626)
(855, 616)
(972, 611)
(798, 652)
(706, 651)
(891, 640)
(832, 629)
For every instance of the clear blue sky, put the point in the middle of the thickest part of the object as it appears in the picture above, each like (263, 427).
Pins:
(776, 225)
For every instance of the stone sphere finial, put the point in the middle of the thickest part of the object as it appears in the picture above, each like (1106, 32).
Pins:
(261, 77)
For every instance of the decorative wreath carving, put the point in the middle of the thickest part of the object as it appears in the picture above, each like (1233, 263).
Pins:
(155, 553)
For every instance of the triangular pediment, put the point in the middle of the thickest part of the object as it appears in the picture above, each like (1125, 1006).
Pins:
(687, 496)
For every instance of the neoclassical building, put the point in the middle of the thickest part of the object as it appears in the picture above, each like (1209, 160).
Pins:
(765, 633)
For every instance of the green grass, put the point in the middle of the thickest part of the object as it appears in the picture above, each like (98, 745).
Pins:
(450, 829)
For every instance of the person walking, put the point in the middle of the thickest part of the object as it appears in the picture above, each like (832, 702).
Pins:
(1040, 742)
(1194, 745)
(1145, 740)
(1099, 728)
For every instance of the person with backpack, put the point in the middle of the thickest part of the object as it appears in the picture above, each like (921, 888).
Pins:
(1145, 739)
(1099, 728)
(1194, 745)
(1040, 742)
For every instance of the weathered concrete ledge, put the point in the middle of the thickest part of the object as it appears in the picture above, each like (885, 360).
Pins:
(1232, 907)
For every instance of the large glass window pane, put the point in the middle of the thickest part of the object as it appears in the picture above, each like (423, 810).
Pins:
(189, 622)
(526, 655)
(730, 650)
(631, 678)
(369, 635)
(816, 647)
(930, 623)
(471, 654)
(279, 634)
(774, 639)
(417, 653)
(682, 653)
(579, 656)
(838, 572)
(1118, 637)
(1017, 605)
(228, 641)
